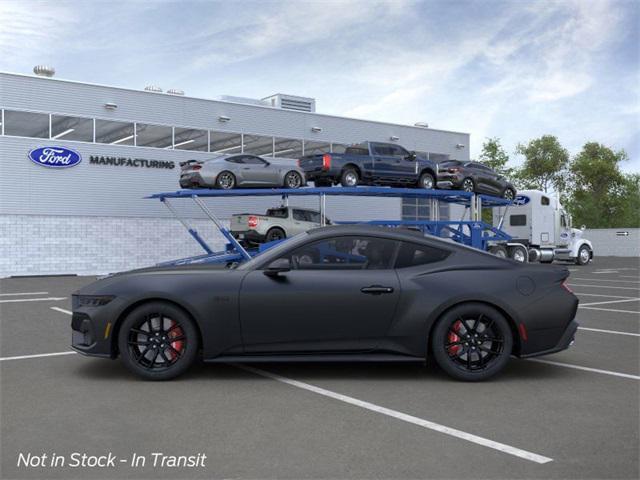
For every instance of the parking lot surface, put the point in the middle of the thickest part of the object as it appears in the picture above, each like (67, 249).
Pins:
(570, 415)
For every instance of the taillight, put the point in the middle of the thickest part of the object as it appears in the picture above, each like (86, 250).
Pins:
(566, 286)
(299, 163)
(196, 167)
(326, 161)
(253, 222)
(522, 330)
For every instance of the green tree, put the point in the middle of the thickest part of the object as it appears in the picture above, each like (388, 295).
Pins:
(600, 195)
(545, 164)
(494, 156)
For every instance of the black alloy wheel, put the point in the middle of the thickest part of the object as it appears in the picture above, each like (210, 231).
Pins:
(293, 180)
(468, 185)
(226, 180)
(275, 234)
(158, 341)
(472, 342)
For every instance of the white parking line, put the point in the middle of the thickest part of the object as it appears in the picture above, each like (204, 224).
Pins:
(40, 355)
(402, 416)
(604, 286)
(586, 369)
(609, 301)
(61, 310)
(23, 293)
(610, 310)
(605, 280)
(615, 332)
(628, 276)
(599, 295)
(48, 299)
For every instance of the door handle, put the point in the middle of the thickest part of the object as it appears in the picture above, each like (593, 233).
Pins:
(376, 290)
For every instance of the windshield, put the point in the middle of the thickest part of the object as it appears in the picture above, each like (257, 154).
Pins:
(276, 250)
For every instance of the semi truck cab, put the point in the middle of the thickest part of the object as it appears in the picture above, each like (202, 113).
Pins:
(538, 221)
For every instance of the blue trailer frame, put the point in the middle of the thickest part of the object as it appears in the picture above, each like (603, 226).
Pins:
(474, 232)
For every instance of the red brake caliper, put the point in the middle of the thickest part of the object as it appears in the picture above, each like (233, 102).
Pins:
(177, 345)
(452, 337)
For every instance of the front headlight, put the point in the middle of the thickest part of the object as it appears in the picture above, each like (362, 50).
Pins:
(93, 300)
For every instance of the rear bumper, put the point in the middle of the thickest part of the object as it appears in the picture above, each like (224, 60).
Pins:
(250, 236)
(192, 180)
(449, 180)
(566, 340)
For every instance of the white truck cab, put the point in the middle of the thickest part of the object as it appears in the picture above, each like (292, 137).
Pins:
(540, 223)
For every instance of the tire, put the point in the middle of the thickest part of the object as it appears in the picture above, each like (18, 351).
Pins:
(519, 254)
(472, 342)
(349, 178)
(508, 194)
(427, 181)
(143, 353)
(293, 180)
(584, 255)
(226, 180)
(499, 251)
(468, 185)
(274, 234)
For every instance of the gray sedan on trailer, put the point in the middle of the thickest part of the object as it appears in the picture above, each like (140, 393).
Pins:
(241, 170)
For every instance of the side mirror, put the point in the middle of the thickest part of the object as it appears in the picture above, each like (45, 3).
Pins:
(583, 227)
(275, 268)
(412, 156)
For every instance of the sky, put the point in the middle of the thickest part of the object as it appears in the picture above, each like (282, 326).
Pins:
(509, 69)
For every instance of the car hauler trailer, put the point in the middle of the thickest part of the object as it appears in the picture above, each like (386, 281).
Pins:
(539, 221)
(472, 232)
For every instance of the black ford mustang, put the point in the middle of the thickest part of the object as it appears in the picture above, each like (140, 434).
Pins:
(345, 293)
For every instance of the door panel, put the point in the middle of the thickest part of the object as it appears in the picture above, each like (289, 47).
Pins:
(316, 310)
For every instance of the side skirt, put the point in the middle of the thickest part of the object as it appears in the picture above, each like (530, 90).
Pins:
(356, 357)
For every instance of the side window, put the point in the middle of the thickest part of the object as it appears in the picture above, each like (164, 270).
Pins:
(398, 151)
(518, 220)
(412, 254)
(345, 253)
(544, 200)
(235, 159)
(313, 217)
(251, 160)
(299, 215)
(277, 212)
(563, 221)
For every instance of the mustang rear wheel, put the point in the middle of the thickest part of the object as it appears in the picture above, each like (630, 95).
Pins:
(293, 179)
(226, 180)
(472, 342)
(158, 341)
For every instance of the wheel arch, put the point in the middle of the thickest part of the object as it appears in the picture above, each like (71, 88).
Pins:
(353, 166)
(430, 171)
(127, 310)
(509, 317)
(287, 171)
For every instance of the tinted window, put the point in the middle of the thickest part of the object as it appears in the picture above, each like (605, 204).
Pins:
(398, 151)
(517, 220)
(344, 253)
(26, 124)
(300, 215)
(544, 200)
(253, 160)
(71, 128)
(313, 217)
(412, 254)
(157, 136)
(277, 212)
(114, 133)
(356, 151)
(237, 159)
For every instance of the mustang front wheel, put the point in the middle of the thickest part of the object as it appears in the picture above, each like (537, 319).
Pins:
(158, 341)
(472, 342)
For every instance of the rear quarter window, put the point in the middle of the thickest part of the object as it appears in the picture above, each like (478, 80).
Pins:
(413, 254)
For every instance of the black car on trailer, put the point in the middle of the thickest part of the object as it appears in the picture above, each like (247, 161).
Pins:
(340, 293)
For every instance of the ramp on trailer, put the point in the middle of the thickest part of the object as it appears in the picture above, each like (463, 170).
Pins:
(472, 232)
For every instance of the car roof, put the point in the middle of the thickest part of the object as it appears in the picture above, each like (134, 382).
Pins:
(405, 234)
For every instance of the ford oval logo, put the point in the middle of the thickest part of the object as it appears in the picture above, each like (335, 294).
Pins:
(55, 157)
(521, 200)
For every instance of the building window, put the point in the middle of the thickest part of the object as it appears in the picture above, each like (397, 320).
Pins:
(157, 136)
(71, 128)
(114, 133)
(191, 139)
(225, 143)
(313, 148)
(287, 148)
(258, 145)
(26, 124)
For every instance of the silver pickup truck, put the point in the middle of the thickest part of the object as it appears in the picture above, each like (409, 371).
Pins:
(275, 224)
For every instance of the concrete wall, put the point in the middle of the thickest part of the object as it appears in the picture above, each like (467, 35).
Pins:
(610, 243)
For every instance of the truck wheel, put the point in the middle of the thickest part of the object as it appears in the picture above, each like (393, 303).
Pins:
(468, 185)
(584, 255)
(226, 180)
(499, 251)
(349, 178)
(426, 181)
(519, 254)
(275, 234)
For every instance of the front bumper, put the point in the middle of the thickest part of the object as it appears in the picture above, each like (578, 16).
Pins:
(566, 340)
(92, 329)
